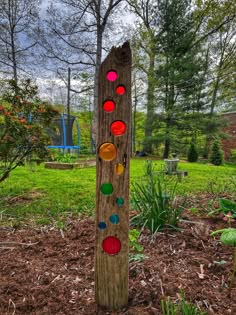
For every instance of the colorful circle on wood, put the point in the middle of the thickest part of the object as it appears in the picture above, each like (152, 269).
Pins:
(102, 225)
(109, 106)
(118, 128)
(114, 219)
(112, 75)
(120, 90)
(107, 151)
(111, 245)
(119, 169)
(107, 189)
(120, 201)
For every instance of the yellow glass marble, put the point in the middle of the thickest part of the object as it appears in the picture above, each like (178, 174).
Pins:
(107, 151)
(119, 169)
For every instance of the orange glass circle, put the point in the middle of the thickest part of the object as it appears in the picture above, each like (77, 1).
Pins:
(109, 106)
(107, 151)
(118, 128)
(120, 89)
(119, 169)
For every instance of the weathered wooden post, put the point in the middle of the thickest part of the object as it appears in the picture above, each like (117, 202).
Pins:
(112, 203)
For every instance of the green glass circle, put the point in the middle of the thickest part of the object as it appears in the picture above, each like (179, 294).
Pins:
(120, 201)
(107, 189)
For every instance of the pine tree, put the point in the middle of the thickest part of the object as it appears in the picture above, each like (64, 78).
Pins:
(192, 153)
(178, 68)
(216, 157)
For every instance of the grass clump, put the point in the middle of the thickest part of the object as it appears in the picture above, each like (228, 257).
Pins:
(182, 308)
(153, 199)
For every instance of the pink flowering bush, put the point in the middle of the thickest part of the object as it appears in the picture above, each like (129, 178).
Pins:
(24, 120)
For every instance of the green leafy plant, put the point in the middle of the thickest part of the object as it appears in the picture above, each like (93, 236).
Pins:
(65, 158)
(228, 237)
(192, 153)
(182, 308)
(153, 200)
(216, 157)
(136, 248)
(226, 206)
(134, 245)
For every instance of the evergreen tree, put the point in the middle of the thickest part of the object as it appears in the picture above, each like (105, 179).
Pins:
(192, 153)
(216, 157)
(179, 68)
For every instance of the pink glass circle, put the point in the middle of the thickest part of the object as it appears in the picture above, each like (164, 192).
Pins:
(109, 106)
(118, 128)
(111, 245)
(112, 75)
(120, 90)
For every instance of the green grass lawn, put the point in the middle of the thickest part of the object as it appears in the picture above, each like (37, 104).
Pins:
(48, 195)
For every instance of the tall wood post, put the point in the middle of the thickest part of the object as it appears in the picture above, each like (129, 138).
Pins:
(112, 202)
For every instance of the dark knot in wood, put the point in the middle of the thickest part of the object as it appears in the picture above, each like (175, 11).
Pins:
(122, 55)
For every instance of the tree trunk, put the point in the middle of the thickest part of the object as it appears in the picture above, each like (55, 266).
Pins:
(134, 119)
(13, 56)
(150, 99)
(96, 78)
(166, 149)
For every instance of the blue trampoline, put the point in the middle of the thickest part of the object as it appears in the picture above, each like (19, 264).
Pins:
(61, 132)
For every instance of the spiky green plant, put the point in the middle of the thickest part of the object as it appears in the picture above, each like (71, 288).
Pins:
(153, 200)
(182, 308)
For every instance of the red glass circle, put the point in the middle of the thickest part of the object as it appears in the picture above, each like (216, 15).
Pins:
(111, 245)
(120, 89)
(109, 106)
(118, 128)
(112, 75)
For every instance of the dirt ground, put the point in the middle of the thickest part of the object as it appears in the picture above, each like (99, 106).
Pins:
(44, 271)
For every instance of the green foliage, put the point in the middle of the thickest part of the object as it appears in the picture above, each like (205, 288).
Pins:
(168, 308)
(216, 157)
(183, 308)
(85, 121)
(136, 249)
(226, 206)
(153, 201)
(192, 153)
(228, 237)
(65, 158)
(232, 157)
(133, 241)
(20, 137)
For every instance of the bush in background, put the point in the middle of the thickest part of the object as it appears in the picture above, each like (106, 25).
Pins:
(20, 136)
(192, 153)
(217, 155)
(232, 157)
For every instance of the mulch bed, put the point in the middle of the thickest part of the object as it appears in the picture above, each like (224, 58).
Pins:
(44, 271)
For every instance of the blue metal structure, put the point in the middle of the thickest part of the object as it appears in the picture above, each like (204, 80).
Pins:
(62, 138)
